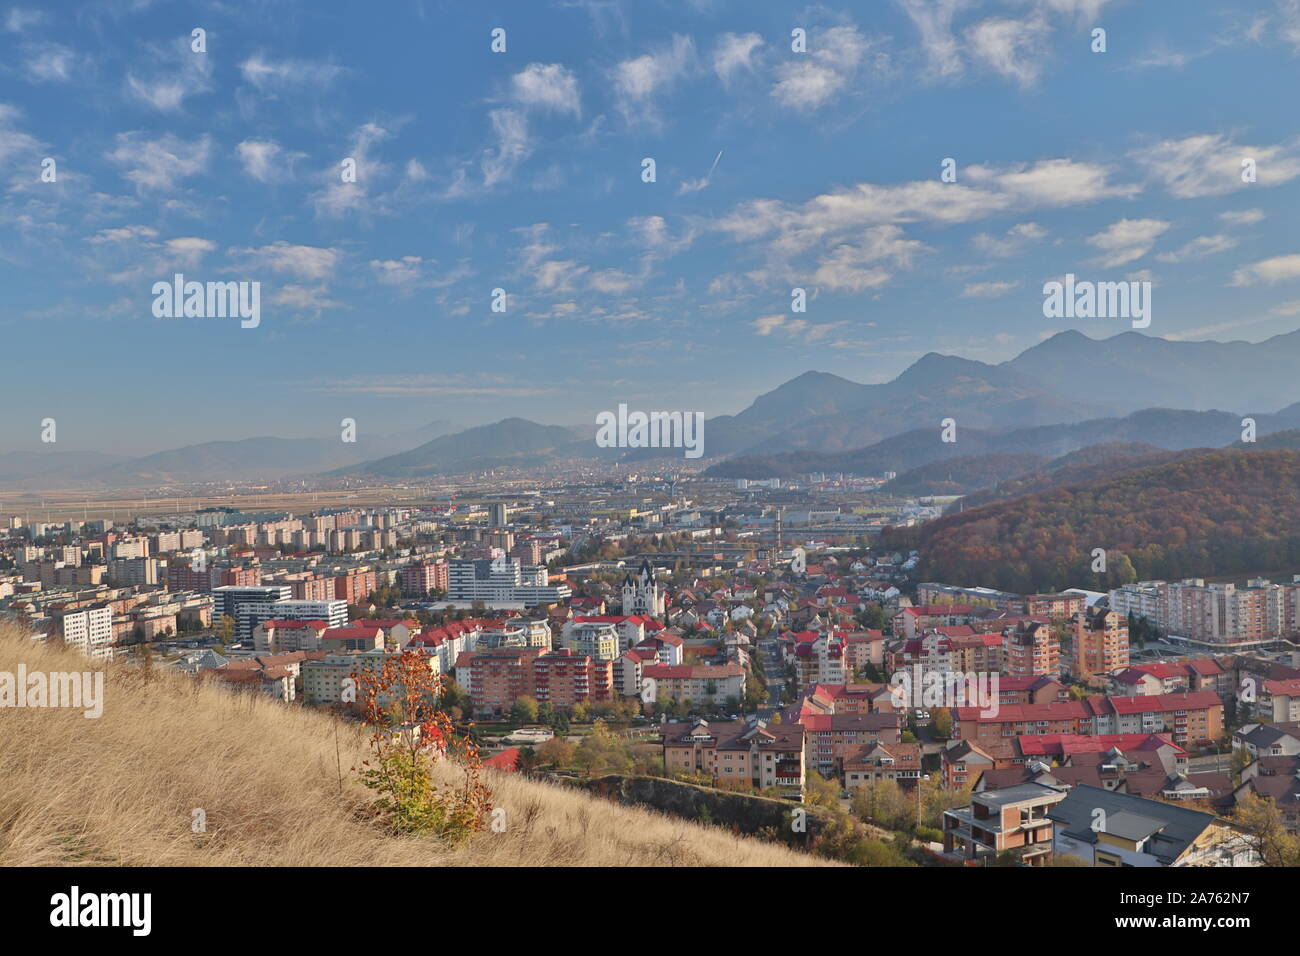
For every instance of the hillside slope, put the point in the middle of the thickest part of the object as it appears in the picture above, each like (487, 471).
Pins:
(121, 790)
(1198, 515)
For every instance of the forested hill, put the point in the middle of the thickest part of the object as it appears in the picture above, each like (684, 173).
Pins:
(1218, 513)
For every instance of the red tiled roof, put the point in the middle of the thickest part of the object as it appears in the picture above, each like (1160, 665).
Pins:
(1155, 703)
(507, 760)
(1013, 713)
(1036, 745)
(678, 671)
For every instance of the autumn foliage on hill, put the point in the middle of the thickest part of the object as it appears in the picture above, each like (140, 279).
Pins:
(1219, 513)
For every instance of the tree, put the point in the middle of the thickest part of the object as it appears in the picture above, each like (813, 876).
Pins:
(410, 737)
(883, 803)
(524, 710)
(878, 853)
(1265, 832)
(557, 752)
(820, 792)
(942, 723)
(546, 713)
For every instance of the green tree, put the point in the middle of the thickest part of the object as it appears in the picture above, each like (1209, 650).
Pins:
(524, 710)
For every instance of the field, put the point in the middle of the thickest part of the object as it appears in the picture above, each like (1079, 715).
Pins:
(272, 784)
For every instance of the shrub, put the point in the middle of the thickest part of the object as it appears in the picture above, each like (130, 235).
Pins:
(410, 736)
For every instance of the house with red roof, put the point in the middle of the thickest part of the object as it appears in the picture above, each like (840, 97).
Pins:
(911, 622)
(359, 636)
(1056, 717)
(1279, 701)
(1191, 719)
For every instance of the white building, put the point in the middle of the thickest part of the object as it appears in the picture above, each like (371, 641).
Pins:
(502, 579)
(90, 631)
(641, 595)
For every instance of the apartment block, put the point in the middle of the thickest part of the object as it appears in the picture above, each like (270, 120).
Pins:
(1100, 643)
(740, 754)
(1013, 820)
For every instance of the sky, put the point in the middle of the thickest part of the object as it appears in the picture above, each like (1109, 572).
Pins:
(524, 170)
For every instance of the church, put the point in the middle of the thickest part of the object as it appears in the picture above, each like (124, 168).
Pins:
(641, 595)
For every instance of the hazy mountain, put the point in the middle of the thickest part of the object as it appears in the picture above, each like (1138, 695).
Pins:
(248, 458)
(962, 475)
(1171, 429)
(510, 441)
(244, 459)
(18, 466)
(1140, 371)
(1066, 379)
(828, 413)
(1066, 393)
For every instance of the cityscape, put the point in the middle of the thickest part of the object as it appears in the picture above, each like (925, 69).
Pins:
(587, 434)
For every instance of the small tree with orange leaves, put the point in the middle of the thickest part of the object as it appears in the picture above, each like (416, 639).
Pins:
(400, 701)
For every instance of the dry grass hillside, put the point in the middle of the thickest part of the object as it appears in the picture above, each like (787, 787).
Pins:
(121, 790)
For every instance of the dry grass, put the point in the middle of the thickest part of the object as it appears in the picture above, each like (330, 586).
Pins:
(121, 789)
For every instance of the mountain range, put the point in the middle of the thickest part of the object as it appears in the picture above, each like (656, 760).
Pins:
(1061, 395)
(245, 459)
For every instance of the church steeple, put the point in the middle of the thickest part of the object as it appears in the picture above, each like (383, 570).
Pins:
(641, 595)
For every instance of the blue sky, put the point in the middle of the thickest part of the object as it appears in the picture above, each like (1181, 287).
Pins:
(522, 170)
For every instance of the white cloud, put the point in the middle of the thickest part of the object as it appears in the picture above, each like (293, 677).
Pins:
(1014, 49)
(411, 272)
(987, 290)
(339, 198)
(51, 62)
(1050, 182)
(313, 299)
(1242, 217)
(404, 271)
(179, 73)
(1013, 243)
(14, 141)
(695, 185)
(188, 251)
(158, 163)
(123, 234)
(1198, 248)
(1126, 240)
(1210, 164)
(1269, 271)
(512, 146)
(639, 80)
(934, 22)
(547, 86)
(783, 325)
(264, 160)
(733, 53)
(20, 18)
(858, 267)
(1288, 22)
(986, 191)
(810, 80)
(270, 76)
(311, 263)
